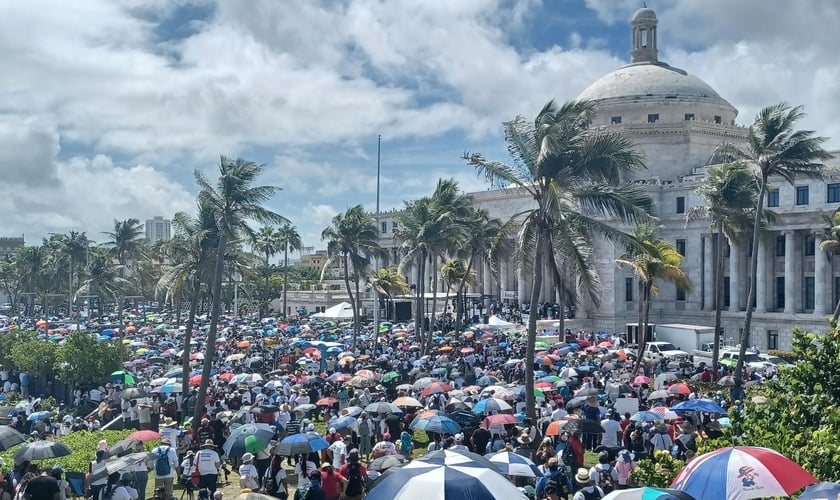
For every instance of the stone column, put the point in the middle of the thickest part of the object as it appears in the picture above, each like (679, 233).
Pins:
(735, 277)
(486, 279)
(708, 273)
(761, 276)
(523, 288)
(822, 269)
(790, 272)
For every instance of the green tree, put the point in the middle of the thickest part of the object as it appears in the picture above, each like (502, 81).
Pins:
(290, 241)
(10, 339)
(101, 277)
(831, 245)
(234, 201)
(482, 239)
(651, 259)
(83, 361)
(352, 239)
(36, 357)
(729, 192)
(574, 175)
(774, 148)
(126, 240)
(389, 282)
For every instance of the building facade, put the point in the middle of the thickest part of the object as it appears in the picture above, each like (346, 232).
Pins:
(10, 245)
(158, 229)
(677, 121)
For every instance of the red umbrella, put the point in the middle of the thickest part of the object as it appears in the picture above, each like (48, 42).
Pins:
(498, 419)
(195, 380)
(436, 388)
(366, 373)
(326, 402)
(144, 436)
(679, 388)
(227, 376)
(544, 386)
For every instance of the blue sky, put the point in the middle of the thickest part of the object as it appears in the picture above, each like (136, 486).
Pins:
(107, 108)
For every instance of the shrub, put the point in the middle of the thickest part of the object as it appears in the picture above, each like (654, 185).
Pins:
(83, 444)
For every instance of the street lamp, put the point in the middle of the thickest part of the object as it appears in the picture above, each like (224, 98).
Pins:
(376, 257)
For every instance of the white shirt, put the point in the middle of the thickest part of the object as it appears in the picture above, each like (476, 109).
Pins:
(207, 460)
(339, 451)
(173, 459)
(611, 429)
(303, 479)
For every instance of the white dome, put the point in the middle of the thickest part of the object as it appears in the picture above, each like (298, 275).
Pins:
(644, 14)
(645, 82)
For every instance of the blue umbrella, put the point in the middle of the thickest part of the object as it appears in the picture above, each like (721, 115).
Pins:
(235, 443)
(490, 404)
(297, 444)
(706, 405)
(174, 372)
(108, 332)
(512, 464)
(646, 416)
(820, 491)
(437, 423)
(39, 415)
(486, 380)
(342, 422)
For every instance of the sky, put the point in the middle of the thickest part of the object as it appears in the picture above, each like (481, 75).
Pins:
(107, 108)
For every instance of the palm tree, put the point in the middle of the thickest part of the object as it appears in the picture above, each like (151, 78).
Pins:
(125, 240)
(729, 191)
(102, 278)
(352, 239)
(774, 148)
(389, 282)
(193, 249)
(573, 174)
(266, 242)
(483, 237)
(33, 264)
(289, 240)
(457, 273)
(651, 259)
(234, 201)
(831, 245)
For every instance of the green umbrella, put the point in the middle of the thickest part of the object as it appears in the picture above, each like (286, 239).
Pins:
(389, 377)
(538, 393)
(541, 345)
(253, 444)
(123, 377)
(384, 329)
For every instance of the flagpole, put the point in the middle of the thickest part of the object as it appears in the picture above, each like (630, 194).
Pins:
(376, 258)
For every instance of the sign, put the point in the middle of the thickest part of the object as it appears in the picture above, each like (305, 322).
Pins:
(626, 405)
(508, 294)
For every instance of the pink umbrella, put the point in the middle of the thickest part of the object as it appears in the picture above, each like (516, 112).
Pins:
(641, 379)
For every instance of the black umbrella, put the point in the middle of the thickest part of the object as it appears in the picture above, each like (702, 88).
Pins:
(583, 425)
(10, 437)
(40, 450)
(121, 448)
(116, 464)
(728, 381)
(133, 393)
(386, 462)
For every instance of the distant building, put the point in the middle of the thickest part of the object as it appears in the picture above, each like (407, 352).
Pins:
(10, 245)
(158, 229)
(315, 262)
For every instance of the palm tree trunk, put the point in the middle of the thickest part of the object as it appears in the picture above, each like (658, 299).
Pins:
(641, 331)
(718, 296)
(432, 321)
(745, 335)
(285, 276)
(533, 312)
(188, 328)
(459, 310)
(211, 335)
(357, 326)
(352, 299)
(421, 302)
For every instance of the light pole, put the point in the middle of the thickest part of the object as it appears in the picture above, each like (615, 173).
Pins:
(376, 257)
(79, 317)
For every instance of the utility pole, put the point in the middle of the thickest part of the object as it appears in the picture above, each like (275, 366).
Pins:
(376, 257)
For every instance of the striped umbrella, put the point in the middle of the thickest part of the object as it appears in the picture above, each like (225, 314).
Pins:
(512, 464)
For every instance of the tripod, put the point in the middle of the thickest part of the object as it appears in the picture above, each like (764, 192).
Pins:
(188, 490)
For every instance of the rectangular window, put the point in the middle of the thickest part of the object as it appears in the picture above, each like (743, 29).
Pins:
(810, 245)
(727, 250)
(680, 246)
(384, 226)
(680, 294)
(717, 119)
(628, 289)
(689, 117)
(653, 117)
(780, 292)
(773, 198)
(749, 247)
(616, 120)
(394, 226)
(727, 293)
(772, 339)
(680, 204)
(801, 195)
(832, 193)
(809, 293)
(780, 245)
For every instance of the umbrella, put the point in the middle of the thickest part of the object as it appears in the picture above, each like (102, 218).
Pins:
(665, 412)
(353, 411)
(343, 422)
(660, 394)
(301, 443)
(362, 381)
(116, 464)
(382, 407)
(583, 425)
(247, 378)
(641, 379)
(429, 478)
(386, 462)
(10, 437)
(306, 407)
(236, 443)
(39, 415)
(339, 377)
(512, 464)
(40, 450)
(698, 405)
(728, 381)
(646, 416)
(144, 435)
(500, 419)
(326, 402)
(121, 447)
(133, 393)
(437, 423)
(436, 388)
(423, 382)
(821, 491)
(742, 472)
(388, 377)
(490, 404)
(123, 377)
(407, 401)
(679, 388)
(648, 493)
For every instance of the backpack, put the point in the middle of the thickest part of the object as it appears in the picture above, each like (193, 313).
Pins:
(355, 483)
(595, 494)
(568, 456)
(605, 480)
(162, 466)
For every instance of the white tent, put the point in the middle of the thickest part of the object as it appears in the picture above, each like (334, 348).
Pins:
(342, 310)
(498, 323)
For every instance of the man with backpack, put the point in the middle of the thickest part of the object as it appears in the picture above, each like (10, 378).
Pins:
(604, 474)
(166, 466)
(587, 489)
(356, 475)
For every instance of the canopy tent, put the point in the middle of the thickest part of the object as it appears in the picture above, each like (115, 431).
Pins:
(342, 310)
(499, 323)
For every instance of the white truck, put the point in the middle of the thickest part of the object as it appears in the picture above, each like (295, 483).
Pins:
(686, 337)
(656, 349)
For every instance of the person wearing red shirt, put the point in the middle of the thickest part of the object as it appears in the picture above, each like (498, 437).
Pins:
(332, 482)
(355, 473)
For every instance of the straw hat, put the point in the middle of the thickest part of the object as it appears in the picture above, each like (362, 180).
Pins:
(524, 439)
(168, 422)
(582, 476)
(248, 457)
(209, 443)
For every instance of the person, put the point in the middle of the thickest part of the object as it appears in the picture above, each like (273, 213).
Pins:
(187, 466)
(114, 490)
(98, 466)
(313, 490)
(208, 463)
(140, 471)
(6, 490)
(612, 431)
(661, 439)
(587, 490)
(63, 486)
(126, 483)
(544, 452)
(160, 494)
(603, 474)
(332, 482)
(479, 440)
(624, 466)
(366, 428)
(552, 472)
(248, 473)
(43, 487)
(384, 447)
(275, 480)
(162, 476)
(406, 445)
(338, 451)
(355, 473)
(554, 490)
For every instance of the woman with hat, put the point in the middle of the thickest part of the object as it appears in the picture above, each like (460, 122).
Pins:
(624, 466)
(208, 463)
(586, 489)
(248, 474)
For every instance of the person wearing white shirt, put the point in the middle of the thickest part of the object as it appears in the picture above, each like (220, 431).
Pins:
(612, 431)
(166, 480)
(209, 464)
(303, 479)
(248, 474)
(339, 452)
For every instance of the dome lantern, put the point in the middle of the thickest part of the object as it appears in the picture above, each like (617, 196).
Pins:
(644, 36)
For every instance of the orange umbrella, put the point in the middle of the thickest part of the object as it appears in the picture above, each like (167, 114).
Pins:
(554, 427)
(407, 401)
(446, 348)
(244, 344)
(366, 373)
(347, 359)
(130, 329)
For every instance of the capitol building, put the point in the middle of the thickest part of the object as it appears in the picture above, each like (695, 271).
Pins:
(677, 121)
